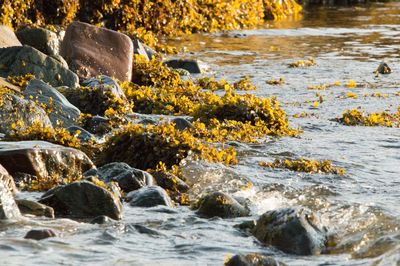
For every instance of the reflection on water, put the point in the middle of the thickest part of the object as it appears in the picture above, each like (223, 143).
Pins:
(361, 208)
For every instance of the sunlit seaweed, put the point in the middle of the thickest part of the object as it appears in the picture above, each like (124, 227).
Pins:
(305, 165)
(355, 117)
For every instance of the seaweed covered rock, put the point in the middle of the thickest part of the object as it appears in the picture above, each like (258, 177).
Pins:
(253, 259)
(91, 51)
(99, 125)
(296, 231)
(39, 234)
(42, 39)
(8, 207)
(219, 204)
(170, 181)
(7, 37)
(149, 197)
(41, 164)
(82, 134)
(17, 114)
(82, 200)
(34, 208)
(60, 111)
(27, 60)
(128, 178)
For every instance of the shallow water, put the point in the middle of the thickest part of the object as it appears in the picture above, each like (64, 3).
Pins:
(362, 207)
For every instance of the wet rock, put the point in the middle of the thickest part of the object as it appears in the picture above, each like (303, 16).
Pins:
(40, 234)
(219, 204)
(27, 60)
(139, 49)
(296, 231)
(15, 110)
(43, 160)
(253, 259)
(112, 186)
(8, 207)
(383, 68)
(83, 135)
(63, 112)
(181, 123)
(246, 226)
(102, 219)
(149, 197)
(128, 178)
(91, 51)
(83, 200)
(34, 208)
(170, 181)
(7, 180)
(190, 65)
(98, 125)
(42, 39)
(8, 38)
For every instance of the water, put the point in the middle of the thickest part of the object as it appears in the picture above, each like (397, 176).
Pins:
(362, 207)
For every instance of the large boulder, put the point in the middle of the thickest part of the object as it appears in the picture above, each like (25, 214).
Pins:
(8, 38)
(128, 178)
(24, 60)
(43, 160)
(149, 197)
(63, 113)
(42, 39)
(253, 259)
(8, 207)
(16, 111)
(91, 51)
(83, 200)
(296, 231)
(219, 204)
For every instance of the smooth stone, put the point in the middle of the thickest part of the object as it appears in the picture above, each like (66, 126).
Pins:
(64, 113)
(43, 159)
(27, 60)
(149, 197)
(296, 231)
(84, 135)
(83, 200)
(8, 207)
(181, 123)
(8, 38)
(139, 49)
(15, 109)
(91, 51)
(219, 204)
(383, 68)
(40, 234)
(128, 178)
(44, 40)
(7, 180)
(188, 64)
(34, 208)
(170, 181)
(102, 219)
(253, 259)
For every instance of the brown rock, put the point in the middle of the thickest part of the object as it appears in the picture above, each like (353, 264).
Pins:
(90, 51)
(8, 38)
(34, 208)
(40, 234)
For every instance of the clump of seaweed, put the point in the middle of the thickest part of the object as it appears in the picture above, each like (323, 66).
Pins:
(355, 117)
(305, 165)
(303, 63)
(20, 81)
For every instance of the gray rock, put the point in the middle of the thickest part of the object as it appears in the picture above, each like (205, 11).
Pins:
(43, 160)
(27, 60)
(7, 37)
(8, 207)
(181, 123)
(150, 52)
(128, 178)
(139, 49)
(63, 112)
(219, 204)
(102, 219)
(42, 39)
(83, 136)
(15, 109)
(7, 180)
(188, 64)
(170, 182)
(296, 231)
(98, 125)
(253, 259)
(106, 85)
(83, 200)
(40, 234)
(149, 197)
(34, 208)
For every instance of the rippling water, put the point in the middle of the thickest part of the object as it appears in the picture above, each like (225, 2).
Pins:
(362, 207)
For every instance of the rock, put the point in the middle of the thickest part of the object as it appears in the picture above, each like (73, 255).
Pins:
(43, 160)
(149, 197)
(112, 186)
(181, 123)
(139, 49)
(128, 178)
(8, 38)
(102, 219)
(42, 39)
(40, 234)
(34, 208)
(253, 259)
(83, 135)
(150, 52)
(383, 68)
(170, 181)
(219, 204)
(63, 112)
(188, 64)
(7, 180)
(296, 231)
(27, 60)
(98, 125)
(83, 200)
(5, 84)
(17, 111)
(8, 207)
(91, 51)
